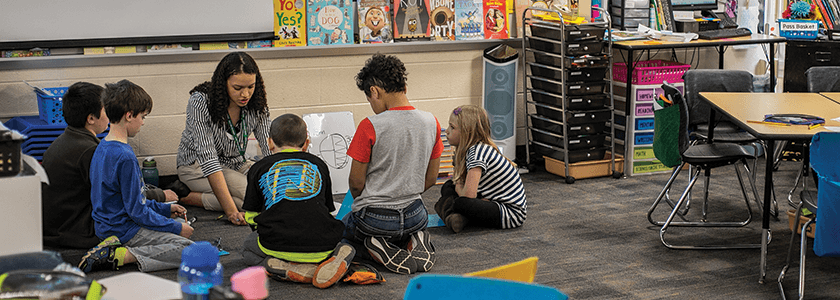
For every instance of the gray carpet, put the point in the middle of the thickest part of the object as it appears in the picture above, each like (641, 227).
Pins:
(593, 242)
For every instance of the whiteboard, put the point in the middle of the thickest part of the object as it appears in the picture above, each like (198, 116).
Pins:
(330, 135)
(36, 20)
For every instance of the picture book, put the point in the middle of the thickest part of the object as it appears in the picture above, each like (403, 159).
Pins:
(468, 25)
(375, 21)
(442, 19)
(495, 19)
(411, 20)
(289, 23)
(330, 22)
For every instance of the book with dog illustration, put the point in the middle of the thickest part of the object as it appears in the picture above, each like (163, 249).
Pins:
(330, 22)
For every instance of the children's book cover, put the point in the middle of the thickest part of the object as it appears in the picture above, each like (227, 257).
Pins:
(495, 19)
(375, 21)
(289, 23)
(468, 25)
(411, 20)
(441, 19)
(330, 22)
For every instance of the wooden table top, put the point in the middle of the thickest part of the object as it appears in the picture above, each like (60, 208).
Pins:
(743, 107)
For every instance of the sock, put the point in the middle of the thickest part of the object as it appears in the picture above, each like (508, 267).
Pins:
(119, 256)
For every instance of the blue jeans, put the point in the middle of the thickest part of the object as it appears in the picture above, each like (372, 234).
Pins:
(394, 224)
(156, 250)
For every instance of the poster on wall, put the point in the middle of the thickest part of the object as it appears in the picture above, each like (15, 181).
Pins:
(330, 135)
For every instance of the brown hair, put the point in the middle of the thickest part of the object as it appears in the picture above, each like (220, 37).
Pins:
(474, 125)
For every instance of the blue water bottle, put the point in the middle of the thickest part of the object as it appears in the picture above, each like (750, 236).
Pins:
(150, 171)
(200, 271)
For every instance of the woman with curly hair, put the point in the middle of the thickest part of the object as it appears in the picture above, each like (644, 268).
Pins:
(221, 114)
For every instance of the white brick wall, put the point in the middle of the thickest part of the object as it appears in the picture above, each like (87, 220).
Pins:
(437, 82)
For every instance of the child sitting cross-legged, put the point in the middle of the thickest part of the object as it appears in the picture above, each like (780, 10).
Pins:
(486, 190)
(288, 201)
(134, 228)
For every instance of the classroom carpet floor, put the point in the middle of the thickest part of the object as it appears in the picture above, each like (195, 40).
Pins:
(593, 241)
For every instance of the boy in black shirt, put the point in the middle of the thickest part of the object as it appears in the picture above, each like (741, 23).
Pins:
(288, 202)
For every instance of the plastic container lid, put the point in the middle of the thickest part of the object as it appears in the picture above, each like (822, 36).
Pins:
(200, 254)
(149, 162)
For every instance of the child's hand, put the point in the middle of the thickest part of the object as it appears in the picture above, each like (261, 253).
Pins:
(237, 218)
(186, 230)
(170, 195)
(178, 209)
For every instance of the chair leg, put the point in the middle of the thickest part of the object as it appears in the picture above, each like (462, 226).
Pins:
(802, 245)
(663, 195)
(669, 222)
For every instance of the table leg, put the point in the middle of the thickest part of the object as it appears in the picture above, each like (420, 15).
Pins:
(720, 57)
(765, 216)
(772, 63)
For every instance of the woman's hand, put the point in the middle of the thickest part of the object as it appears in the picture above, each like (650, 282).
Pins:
(237, 218)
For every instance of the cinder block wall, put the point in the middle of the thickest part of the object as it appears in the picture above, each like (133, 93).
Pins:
(437, 82)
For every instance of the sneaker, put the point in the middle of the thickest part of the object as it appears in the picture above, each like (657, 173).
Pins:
(456, 222)
(335, 267)
(101, 257)
(392, 257)
(282, 270)
(422, 250)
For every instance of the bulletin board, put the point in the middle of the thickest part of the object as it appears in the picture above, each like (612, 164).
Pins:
(49, 23)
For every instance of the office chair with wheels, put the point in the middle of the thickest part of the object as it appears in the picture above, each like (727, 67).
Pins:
(819, 79)
(457, 287)
(716, 80)
(673, 148)
(826, 207)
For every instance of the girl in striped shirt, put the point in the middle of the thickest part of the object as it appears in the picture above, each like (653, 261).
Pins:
(486, 189)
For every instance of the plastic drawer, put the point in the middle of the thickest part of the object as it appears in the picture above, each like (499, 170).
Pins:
(572, 117)
(575, 143)
(580, 102)
(572, 88)
(571, 48)
(597, 61)
(585, 74)
(573, 33)
(554, 126)
(574, 155)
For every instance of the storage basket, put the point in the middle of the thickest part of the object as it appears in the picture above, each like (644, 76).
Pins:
(9, 152)
(651, 72)
(799, 29)
(49, 107)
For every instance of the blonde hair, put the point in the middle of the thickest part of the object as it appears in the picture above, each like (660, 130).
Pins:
(474, 125)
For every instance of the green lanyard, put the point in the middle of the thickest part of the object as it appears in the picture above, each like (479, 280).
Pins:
(243, 144)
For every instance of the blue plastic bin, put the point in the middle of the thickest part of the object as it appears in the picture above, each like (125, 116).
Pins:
(49, 107)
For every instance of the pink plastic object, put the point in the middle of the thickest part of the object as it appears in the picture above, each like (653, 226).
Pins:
(651, 72)
(251, 283)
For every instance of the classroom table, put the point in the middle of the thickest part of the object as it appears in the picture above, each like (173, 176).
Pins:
(833, 96)
(745, 107)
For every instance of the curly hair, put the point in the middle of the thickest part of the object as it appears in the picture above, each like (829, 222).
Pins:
(384, 71)
(218, 99)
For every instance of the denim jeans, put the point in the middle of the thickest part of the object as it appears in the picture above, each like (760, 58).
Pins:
(156, 250)
(394, 224)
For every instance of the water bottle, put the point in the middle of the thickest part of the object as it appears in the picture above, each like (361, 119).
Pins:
(200, 271)
(150, 171)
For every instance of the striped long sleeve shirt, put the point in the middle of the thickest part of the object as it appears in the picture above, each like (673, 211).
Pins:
(210, 144)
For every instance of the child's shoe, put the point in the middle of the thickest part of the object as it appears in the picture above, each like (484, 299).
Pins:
(335, 267)
(456, 222)
(279, 269)
(101, 257)
(422, 250)
(394, 258)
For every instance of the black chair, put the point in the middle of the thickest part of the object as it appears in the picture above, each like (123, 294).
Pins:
(701, 157)
(718, 80)
(819, 79)
(822, 151)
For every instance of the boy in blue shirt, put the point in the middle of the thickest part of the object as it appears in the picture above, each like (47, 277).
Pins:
(134, 229)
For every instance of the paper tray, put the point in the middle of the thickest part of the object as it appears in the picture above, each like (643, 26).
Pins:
(585, 169)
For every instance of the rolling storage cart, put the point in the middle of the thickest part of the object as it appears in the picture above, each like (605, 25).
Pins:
(569, 101)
